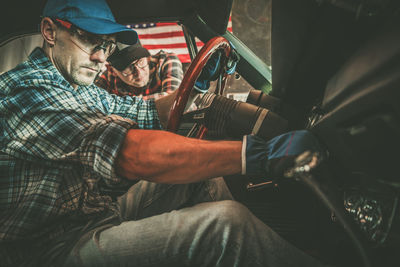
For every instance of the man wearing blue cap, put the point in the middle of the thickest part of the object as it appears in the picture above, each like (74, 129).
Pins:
(83, 185)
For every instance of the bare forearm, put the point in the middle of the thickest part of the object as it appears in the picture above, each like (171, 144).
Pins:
(169, 158)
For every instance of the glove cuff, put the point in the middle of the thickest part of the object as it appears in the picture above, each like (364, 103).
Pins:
(244, 145)
(201, 87)
(254, 155)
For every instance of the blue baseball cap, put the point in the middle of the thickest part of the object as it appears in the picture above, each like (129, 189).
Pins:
(93, 16)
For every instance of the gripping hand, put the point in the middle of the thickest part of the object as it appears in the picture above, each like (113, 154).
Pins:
(270, 159)
(210, 72)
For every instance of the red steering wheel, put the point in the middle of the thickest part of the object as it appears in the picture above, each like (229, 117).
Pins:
(190, 78)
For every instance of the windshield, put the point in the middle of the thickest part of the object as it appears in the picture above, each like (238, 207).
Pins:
(251, 23)
(251, 20)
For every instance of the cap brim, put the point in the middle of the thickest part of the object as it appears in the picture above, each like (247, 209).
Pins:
(98, 26)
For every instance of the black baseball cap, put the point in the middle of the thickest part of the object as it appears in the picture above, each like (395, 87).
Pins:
(124, 56)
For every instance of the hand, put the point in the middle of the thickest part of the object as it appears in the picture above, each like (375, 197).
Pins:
(210, 72)
(270, 159)
(212, 69)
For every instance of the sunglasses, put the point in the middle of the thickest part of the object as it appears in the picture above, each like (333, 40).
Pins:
(88, 42)
(134, 66)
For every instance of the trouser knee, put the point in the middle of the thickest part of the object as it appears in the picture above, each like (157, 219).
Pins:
(231, 213)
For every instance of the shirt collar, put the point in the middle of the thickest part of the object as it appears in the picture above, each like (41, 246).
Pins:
(40, 60)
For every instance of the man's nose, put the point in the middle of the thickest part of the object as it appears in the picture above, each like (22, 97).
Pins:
(137, 70)
(99, 56)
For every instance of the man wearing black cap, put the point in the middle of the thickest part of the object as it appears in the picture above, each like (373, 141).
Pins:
(87, 179)
(132, 71)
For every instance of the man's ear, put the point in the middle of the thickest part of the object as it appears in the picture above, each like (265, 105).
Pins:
(48, 29)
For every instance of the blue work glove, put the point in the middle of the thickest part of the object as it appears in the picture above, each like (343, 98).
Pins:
(210, 72)
(212, 69)
(270, 159)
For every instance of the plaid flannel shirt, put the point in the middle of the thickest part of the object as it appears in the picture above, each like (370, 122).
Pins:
(165, 71)
(57, 145)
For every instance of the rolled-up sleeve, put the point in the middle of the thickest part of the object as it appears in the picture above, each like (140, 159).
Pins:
(100, 147)
(63, 133)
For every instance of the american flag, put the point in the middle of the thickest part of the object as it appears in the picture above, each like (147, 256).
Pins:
(166, 36)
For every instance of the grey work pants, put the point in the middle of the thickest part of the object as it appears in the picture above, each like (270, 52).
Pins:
(185, 225)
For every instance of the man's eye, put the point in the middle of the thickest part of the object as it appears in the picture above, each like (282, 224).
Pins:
(91, 40)
(94, 41)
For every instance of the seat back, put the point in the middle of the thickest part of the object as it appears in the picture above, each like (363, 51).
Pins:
(17, 49)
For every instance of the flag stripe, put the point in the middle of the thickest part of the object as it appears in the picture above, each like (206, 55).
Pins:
(161, 41)
(160, 29)
(172, 45)
(161, 35)
(178, 51)
(167, 24)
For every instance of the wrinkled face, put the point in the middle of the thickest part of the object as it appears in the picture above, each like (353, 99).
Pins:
(80, 56)
(137, 74)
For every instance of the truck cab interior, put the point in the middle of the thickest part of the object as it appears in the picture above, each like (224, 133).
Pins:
(329, 66)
